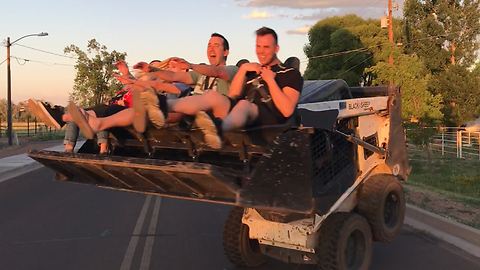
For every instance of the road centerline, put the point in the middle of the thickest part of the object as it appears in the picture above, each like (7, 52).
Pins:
(127, 260)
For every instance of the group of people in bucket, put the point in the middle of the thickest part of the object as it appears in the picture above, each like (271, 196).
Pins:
(221, 97)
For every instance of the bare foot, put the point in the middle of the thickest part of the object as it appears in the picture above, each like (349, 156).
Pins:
(66, 117)
(68, 148)
(95, 123)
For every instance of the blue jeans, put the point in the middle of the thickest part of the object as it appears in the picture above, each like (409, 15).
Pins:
(72, 131)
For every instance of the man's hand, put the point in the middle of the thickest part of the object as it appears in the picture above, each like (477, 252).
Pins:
(122, 67)
(267, 74)
(145, 67)
(256, 67)
(181, 63)
(123, 79)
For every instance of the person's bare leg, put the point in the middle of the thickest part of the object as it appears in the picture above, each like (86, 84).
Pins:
(68, 148)
(212, 100)
(240, 116)
(121, 119)
(103, 147)
(66, 117)
(174, 117)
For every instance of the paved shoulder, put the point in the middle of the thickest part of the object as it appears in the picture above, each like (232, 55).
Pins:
(14, 166)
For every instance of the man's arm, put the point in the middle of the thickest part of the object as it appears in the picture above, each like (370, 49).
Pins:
(207, 70)
(285, 99)
(158, 85)
(165, 75)
(238, 82)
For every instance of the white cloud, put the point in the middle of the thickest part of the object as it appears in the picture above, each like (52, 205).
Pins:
(299, 31)
(329, 12)
(258, 15)
(282, 15)
(310, 4)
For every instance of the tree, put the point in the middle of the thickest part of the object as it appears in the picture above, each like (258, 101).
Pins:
(410, 73)
(339, 34)
(444, 31)
(3, 110)
(460, 89)
(330, 36)
(94, 83)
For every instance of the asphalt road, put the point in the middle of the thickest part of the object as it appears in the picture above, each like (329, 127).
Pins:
(46, 224)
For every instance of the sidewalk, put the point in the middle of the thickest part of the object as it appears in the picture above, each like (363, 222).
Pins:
(455, 233)
(14, 161)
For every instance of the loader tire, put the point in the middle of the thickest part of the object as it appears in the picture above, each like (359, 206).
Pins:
(382, 201)
(345, 243)
(239, 248)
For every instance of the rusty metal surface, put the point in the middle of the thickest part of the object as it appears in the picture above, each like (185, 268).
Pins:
(281, 181)
(162, 177)
(397, 159)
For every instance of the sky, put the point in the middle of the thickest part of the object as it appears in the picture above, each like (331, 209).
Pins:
(148, 30)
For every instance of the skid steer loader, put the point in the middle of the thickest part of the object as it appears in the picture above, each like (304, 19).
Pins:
(317, 190)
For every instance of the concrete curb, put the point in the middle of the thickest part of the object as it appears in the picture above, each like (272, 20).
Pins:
(17, 171)
(13, 166)
(455, 233)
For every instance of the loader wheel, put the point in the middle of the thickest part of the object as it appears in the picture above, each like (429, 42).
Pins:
(239, 248)
(382, 202)
(345, 243)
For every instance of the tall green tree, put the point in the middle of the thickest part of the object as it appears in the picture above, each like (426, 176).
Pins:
(331, 36)
(408, 71)
(94, 82)
(443, 32)
(372, 67)
(460, 89)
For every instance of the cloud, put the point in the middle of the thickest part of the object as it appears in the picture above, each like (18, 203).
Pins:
(281, 15)
(299, 31)
(313, 4)
(258, 15)
(329, 12)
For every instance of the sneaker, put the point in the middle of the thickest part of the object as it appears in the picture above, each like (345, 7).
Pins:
(51, 116)
(150, 100)
(208, 124)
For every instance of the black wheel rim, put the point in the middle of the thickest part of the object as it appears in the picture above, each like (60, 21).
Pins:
(355, 250)
(391, 210)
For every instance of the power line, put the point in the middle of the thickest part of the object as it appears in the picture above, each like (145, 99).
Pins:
(3, 61)
(45, 63)
(71, 57)
(356, 66)
(373, 46)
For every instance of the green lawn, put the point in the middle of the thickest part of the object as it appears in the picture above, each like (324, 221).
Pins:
(454, 178)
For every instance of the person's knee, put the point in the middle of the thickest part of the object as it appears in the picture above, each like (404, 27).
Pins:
(213, 97)
(243, 105)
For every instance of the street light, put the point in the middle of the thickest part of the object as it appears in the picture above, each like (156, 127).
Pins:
(9, 84)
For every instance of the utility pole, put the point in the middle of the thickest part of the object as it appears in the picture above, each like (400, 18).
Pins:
(9, 96)
(9, 84)
(390, 36)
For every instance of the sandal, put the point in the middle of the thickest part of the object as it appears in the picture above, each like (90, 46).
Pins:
(80, 118)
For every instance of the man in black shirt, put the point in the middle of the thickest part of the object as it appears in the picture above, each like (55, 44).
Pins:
(264, 93)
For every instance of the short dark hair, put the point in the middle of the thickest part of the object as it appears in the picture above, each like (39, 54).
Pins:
(267, 31)
(225, 41)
